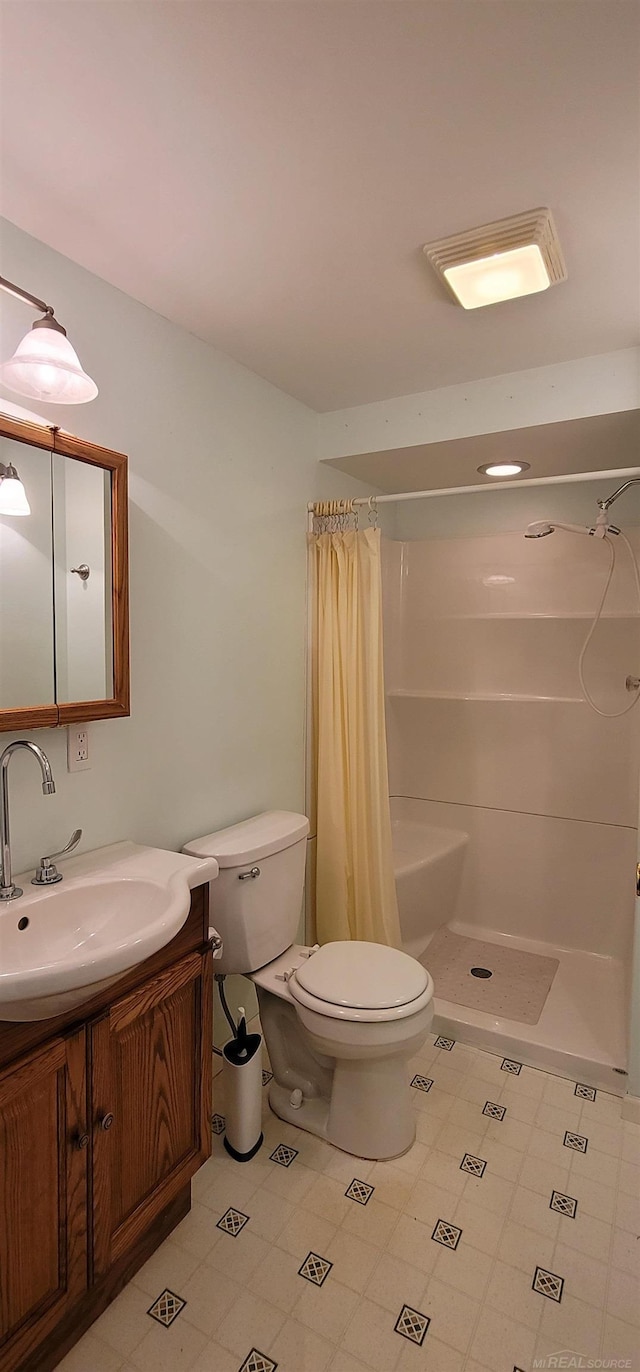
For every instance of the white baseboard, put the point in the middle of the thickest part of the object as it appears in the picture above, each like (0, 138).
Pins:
(631, 1109)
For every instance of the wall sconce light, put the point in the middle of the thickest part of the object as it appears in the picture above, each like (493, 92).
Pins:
(44, 366)
(13, 497)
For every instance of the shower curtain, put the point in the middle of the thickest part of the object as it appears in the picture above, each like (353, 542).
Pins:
(355, 886)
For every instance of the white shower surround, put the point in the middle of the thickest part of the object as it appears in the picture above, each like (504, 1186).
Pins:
(489, 737)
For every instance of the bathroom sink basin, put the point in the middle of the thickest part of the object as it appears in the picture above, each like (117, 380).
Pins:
(61, 944)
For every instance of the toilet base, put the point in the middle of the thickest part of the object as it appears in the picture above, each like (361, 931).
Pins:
(311, 1116)
(371, 1112)
(352, 1119)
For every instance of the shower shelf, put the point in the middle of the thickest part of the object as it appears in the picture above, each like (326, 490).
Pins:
(400, 693)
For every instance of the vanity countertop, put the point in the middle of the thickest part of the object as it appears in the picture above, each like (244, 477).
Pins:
(115, 907)
(124, 859)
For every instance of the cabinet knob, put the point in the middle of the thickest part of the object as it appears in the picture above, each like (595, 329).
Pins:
(106, 1121)
(82, 1141)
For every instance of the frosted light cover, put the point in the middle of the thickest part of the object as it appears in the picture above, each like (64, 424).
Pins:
(502, 276)
(13, 497)
(45, 367)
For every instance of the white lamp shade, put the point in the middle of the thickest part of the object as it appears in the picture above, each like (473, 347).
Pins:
(45, 367)
(13, 497)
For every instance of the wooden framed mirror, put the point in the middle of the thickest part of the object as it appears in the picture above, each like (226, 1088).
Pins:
(64, 581)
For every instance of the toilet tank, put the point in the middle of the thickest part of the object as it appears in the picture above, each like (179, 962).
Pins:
(256, 900)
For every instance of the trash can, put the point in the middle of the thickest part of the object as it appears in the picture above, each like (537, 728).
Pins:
(242, 1069)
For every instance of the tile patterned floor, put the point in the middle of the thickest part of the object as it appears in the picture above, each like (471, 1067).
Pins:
(308, 1260)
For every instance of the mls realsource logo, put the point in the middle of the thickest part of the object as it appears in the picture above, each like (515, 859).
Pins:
(578, 1361)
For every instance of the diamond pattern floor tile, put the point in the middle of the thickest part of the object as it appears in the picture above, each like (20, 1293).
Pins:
(359, 1191)
(548, 1284)
(565, 1205)
(422, 1083)
(412, 1324)
(473, 1165)
(444, 1043)
(283, 1155)
(315, 1269)
(508, 1065)
(166, 1308)
(446, 1234)
(497, 1112)
(586, 1092)
(575, 1141)
(258, 1362)
(232, 1222)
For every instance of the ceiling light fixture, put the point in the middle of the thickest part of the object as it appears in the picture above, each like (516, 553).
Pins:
(13, 497)
(501, 260)
(503, 468)
(44, 365)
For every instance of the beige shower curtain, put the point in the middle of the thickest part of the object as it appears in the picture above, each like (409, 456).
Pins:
(355, 887)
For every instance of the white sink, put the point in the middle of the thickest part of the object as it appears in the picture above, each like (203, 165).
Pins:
(114, 908)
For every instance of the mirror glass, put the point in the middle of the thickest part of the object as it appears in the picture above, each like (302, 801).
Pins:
(82, 580)
(56, 629)
(27, 670)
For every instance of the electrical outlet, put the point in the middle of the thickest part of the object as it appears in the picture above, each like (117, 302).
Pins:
(78, 748)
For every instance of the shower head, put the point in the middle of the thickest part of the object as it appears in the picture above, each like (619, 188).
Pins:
(540, 528)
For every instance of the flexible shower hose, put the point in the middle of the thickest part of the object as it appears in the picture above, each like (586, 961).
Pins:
(608, 714)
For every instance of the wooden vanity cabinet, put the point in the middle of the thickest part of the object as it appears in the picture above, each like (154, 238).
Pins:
(43, 1187)
(152, 1120)
(102, 1125)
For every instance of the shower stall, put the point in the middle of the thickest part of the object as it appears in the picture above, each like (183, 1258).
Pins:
(514, 803)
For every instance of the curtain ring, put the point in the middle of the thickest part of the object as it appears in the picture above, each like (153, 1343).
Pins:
(373, 512)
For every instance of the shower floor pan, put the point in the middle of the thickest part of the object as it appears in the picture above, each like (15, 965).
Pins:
(582, 1030)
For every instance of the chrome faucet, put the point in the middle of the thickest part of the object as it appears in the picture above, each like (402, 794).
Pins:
(8, 889)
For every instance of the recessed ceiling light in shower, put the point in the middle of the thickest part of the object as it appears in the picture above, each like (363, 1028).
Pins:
(503, 468)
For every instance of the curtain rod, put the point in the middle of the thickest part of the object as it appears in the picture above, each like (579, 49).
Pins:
(613, 473)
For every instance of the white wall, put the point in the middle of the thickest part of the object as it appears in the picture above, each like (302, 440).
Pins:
(221, 466)
(539, 395)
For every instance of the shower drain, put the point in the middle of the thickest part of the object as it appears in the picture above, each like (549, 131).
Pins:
(482, 972)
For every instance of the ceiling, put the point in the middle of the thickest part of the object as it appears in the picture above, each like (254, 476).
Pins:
(600, 442)
(265, 172)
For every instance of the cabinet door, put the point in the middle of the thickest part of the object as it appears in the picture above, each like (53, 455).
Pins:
(43, 1194)
(151, 1103)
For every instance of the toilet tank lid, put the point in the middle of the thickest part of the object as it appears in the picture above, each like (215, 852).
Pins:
(251, 839)
(365, 976)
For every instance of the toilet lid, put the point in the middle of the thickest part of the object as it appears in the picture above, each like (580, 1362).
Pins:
(363, 976)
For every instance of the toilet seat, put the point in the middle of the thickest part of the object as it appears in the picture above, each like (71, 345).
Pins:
(359, 981)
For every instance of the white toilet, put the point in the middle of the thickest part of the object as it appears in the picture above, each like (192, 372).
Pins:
(341, 1021)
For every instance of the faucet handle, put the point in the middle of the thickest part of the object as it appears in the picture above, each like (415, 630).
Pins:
(47, 872)
(73, 843)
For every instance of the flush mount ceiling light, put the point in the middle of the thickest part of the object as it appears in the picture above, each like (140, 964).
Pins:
(13, 497)
(499, 261)
(503, 468)
(44, 365)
